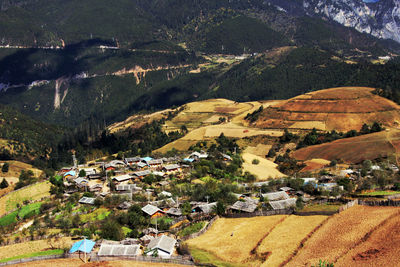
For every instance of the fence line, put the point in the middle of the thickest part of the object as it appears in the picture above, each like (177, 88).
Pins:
(393, 203)
(259, 213)
(348, 205)
(202, 231)
(37, 258)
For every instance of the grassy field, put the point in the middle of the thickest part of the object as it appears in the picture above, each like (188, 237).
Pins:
(31, 247)
(263, 170)
(16, 167)
(191, 229)
(236, 239)
(321, 207)
(25, 210)
(35, 254)
(380, 193)
(98, 214)
(32, 192)
(341, 233)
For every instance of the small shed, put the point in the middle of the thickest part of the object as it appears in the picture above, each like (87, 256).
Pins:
(85, 246)
(124, 205)
(87, 200)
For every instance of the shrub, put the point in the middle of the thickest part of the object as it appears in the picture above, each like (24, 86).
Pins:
(255, 161)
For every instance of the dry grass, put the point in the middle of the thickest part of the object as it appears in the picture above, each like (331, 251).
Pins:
(33, 192)
(232, 240)
(382, 248)
(340, 233)
(286, 237)
(79, 262)
(355, 149)
(259, 150)
(32, 246)
(16, 167)
(263, 170)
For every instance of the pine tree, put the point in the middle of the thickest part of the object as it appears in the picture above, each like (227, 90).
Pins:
(4, 184)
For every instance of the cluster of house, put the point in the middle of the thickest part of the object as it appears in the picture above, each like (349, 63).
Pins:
(162, 245)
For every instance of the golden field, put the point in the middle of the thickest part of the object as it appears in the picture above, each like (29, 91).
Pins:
(263, 170)
(341, 233)
(286, 237)
(232, 240)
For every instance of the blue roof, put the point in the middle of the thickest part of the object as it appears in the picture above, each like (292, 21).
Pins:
(73, 173)
(189, 160)
(83, 246)
(147, 158)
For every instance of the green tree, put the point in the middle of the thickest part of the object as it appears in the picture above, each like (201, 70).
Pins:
(112, 230)
(299, 203)
(82, 173)
(5, 167)
(220, 208)
(4, 184)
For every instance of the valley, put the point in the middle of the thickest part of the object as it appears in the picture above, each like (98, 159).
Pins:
(199, 133)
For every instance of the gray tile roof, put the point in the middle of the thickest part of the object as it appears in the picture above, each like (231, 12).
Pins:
(119, 250)
(283, 204)
(247, 206)
(164, 243)
(87, 200)
(279, 195)
(150, 209)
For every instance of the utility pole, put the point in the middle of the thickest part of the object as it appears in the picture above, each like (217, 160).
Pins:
(84, 246)
(207, 197)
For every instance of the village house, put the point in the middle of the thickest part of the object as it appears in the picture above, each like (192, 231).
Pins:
(165, 194)
(141, 174)
(283, 204)
(132, 161)
(279, 195)
(93, 176)
(150, 231)
(203, 207)
(248, 205)
(164, 245)
(155, 163)
(96, 188)
(177, 212)
(153, 211)
(141, 165)
(122, 178)
(172, 168)
(118, 250)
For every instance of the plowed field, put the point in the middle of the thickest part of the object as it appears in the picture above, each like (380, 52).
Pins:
(341, 233)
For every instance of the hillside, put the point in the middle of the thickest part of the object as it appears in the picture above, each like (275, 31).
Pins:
(340, 109)
(351, 237)
(355, 149)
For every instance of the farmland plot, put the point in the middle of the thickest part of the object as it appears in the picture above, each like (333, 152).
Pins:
(341, 233)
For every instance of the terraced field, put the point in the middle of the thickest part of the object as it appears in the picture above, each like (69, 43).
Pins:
(342, 109)
(342, 233)
(358, 236)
